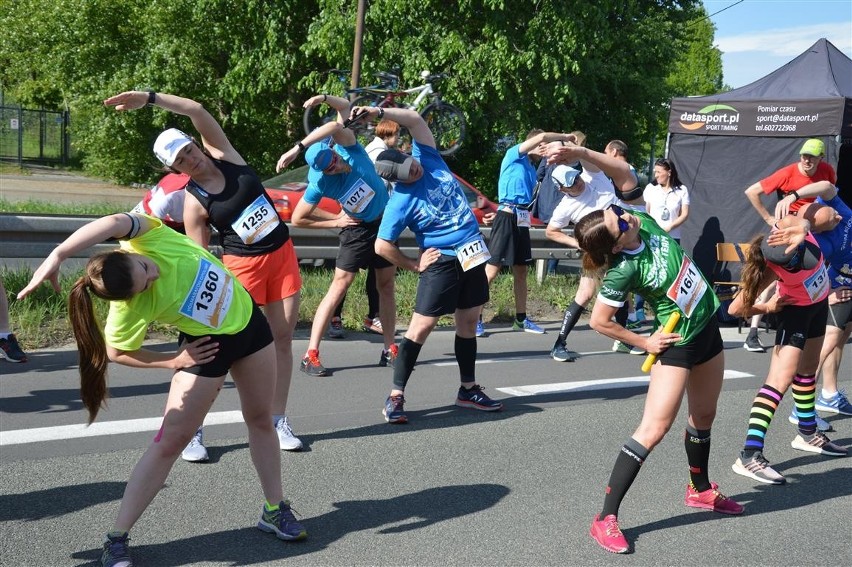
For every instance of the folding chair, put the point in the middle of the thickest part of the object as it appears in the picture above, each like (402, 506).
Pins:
(729, 253)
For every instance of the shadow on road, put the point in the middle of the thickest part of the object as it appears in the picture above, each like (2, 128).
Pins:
(58, 501)
(248, 546)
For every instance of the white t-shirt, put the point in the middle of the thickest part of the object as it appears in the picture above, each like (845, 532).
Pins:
(375, 147)
(597, 195)
(665, 206)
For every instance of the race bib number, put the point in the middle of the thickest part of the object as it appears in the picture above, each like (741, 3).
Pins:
(210, 297)
(256, 221)
(817, 284)
(473, 253)
(524, 218)
(688, 288)
(358, 197)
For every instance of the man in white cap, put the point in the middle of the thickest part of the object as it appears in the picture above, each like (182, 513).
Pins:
(346, 175)
(810, 168)
(593, 190)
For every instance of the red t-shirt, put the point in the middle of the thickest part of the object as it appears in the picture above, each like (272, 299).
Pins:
(790, 178)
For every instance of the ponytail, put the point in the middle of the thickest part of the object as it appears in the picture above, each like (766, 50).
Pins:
(108, 277)
(752, 273)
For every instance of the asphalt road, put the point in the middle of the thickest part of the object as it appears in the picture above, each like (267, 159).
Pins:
(452, 487)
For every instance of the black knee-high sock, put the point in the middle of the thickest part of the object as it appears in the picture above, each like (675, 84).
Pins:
(403, 366)
(627, 465)
(466, 357)
(572, 315)
(697, 444)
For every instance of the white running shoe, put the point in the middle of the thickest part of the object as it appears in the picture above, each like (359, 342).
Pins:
(286, 440)
(818, 443)
(196, 452)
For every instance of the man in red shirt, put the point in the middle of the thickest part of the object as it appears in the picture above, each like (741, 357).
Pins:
(809, 169)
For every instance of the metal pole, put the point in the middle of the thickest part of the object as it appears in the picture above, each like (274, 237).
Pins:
(359, 41)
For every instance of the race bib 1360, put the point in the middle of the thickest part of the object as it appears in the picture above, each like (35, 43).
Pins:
(210, 297)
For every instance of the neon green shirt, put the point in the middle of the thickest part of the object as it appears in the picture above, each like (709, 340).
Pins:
(665, 276)
(195, 292)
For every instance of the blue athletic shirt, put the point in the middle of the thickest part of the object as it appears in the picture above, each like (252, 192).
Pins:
(434, 207)
(836, 245)
(361, 192)
(517, 178)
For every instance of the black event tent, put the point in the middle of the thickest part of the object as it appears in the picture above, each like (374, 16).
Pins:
(723, 143)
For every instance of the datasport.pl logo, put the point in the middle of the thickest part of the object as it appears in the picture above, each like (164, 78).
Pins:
(715, 117)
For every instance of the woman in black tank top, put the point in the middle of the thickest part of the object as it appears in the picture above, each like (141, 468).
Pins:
(226, 193)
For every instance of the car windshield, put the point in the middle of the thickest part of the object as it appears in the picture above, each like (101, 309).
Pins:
(298, 175)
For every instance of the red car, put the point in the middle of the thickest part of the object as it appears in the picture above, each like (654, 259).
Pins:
(286, 189)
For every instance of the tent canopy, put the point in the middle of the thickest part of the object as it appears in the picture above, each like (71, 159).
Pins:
(721, 144)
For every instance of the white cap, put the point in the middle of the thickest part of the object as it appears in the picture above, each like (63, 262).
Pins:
(168, 144)
(564, 175)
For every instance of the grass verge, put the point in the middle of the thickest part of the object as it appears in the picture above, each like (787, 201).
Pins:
(41, 320)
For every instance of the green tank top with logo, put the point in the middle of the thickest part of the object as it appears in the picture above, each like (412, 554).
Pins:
(666, 277)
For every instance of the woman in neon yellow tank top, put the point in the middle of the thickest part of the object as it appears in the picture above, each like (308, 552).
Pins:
(161, 275)
(632, 253)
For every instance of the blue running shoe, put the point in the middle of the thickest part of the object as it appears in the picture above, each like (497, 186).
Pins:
(393, 410)
(115, 550)
(475, 398)
(480, 329)
(838, 403)
(822, 425)
(527, 326)
(282, 523)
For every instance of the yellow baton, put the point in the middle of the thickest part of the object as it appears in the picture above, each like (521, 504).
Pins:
(667, 328)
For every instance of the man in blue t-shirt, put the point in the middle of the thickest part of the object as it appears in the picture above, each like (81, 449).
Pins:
(510, 232)
(428, 200)
(831, 225)
(346, 175)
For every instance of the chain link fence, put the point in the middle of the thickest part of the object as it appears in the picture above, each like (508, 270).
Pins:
(34, 136)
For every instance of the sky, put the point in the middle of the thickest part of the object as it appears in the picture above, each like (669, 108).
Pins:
(758, 36)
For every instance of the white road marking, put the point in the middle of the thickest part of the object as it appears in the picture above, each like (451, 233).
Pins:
(79, 430)
(515, 358)
(591, 385)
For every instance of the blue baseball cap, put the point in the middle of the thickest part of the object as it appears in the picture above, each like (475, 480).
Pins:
(319, 156)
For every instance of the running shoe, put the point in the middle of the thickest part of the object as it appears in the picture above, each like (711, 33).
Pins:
(838, 403)
(115, 550)
(389, 356)
(822, 425)
(752, 344)
(480, 329)
(373, 325)
(527, 326)
(335, 328)
(711, 499)
(312, 366)
(11, 350)
(560, 353)
(757, 467)
(475, 398)
(608, 535)
(818, 443)
(619, 346)
(282, 523)
(393, 410)
(286, 440)
(195, 452)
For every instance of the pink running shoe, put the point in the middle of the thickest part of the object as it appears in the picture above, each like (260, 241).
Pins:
(608, 535)
(712, 499)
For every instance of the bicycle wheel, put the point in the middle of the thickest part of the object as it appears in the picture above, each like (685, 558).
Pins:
(316, 116)
(447, 125)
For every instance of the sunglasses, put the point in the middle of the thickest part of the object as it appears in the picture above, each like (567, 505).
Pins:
(334, 159)
(623, 225)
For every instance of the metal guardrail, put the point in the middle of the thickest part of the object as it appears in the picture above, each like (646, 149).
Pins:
(35, 236)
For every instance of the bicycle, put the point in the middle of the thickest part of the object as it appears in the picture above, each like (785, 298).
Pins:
(316, 116)
(445, 120)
